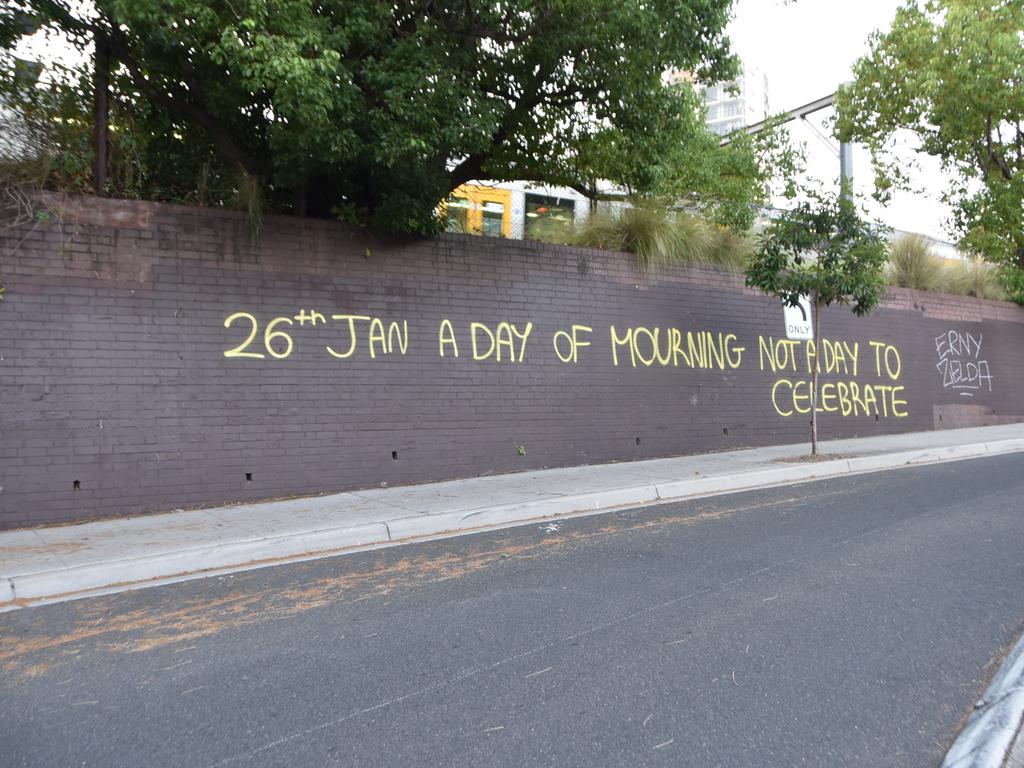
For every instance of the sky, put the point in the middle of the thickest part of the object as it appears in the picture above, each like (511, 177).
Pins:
(806, 48)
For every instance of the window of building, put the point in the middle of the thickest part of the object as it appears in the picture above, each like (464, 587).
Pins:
(493, 214)
(456, 212)
(478, 210)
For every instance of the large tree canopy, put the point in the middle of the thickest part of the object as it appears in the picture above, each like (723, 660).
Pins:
(952, 72)
(374, 111)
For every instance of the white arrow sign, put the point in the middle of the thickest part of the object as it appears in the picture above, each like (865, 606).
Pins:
(799, 323)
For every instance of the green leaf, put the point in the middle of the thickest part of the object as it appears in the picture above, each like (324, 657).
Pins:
(951, 73)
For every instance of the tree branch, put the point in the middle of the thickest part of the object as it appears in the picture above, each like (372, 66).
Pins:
(472, 166)
(997, 158)
(195, 113)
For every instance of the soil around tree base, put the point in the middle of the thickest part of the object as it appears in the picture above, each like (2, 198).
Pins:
(807, 458)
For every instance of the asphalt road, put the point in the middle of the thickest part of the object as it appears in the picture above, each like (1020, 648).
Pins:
(847, 622)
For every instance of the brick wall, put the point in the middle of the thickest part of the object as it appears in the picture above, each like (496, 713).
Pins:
(117, 396)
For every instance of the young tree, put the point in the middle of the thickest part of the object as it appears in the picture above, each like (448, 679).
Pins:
(373, 111)
(822, 249)
(952, 73)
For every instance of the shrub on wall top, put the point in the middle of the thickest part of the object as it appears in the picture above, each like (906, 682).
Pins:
(913, 264)
(660, 236)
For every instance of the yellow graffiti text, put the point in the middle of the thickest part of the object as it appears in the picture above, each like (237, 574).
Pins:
(780, 353)
(446, 335)
(238, 351)
(847, 398)
(668, 346)
(567, 343)
(502, 340)
(270, 336)
(889, 356)
(380, 338)
(837, 357)
(386, 342)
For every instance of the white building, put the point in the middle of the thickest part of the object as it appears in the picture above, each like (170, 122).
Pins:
(744, 101)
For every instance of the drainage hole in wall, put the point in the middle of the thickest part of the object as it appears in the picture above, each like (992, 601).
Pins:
(248, 477)
(725, 431)
(638, 441)
(76, 485)
(394, 455)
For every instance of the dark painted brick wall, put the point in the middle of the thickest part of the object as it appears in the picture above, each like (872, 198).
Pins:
(113, 373)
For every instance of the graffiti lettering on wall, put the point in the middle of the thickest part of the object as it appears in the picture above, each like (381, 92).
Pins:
(377, 337)
(848, 396)
(668, 346)
(960, 365)
(869, 389)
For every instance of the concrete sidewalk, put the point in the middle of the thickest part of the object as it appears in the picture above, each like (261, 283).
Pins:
(47, 564)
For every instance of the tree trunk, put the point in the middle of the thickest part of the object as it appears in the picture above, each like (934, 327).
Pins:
(100, 115)
(814, 377)
(300, 200)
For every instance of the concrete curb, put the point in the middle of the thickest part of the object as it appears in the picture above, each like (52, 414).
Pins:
(198, 562)
(988, 737)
